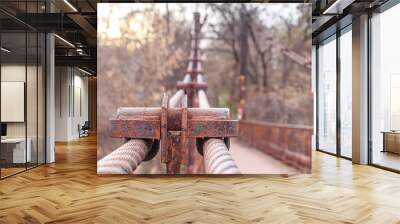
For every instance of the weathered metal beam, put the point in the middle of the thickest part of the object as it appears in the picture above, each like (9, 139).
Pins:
(126, 113)
(148, 129)
(49, 22)
(191, 86)
(195, 127)
(86, 61)
(212, 128)
(83, 23)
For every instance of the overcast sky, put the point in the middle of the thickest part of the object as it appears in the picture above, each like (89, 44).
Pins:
(116, 11)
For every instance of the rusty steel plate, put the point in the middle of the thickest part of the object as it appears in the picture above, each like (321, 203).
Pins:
(149, 129)
(191, 85)
(212, 128)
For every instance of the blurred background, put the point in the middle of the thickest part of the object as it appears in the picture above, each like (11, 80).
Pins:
(143, 50)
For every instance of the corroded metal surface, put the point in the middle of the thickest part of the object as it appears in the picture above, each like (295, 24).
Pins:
(212, 128)
(174, 153)
(149, 129)
(148, 122)
(184, 137)
(194, 128)
(165, 158)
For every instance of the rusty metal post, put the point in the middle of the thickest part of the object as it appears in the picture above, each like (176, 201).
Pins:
(184, 132)
(174, 165)
(178, 142)
(165, 157)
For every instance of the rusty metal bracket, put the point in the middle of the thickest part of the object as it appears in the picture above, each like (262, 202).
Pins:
(165, 157)
(170, 129)
(191, 86)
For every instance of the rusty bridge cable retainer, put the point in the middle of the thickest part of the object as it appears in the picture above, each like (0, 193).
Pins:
(174, 130)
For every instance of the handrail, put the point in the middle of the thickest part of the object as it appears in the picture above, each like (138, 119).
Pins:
(280, 125)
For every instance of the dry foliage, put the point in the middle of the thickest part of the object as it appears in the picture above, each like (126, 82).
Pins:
(135, 69)
(278, 88)
(150, 56)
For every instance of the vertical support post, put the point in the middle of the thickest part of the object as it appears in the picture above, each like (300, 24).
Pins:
(244, 48)
(184, 138)
(360, 90)
(315, 98)
(195, 67)
(164, 131)
(338, 98)
(173, 164)
(192, 98)
(50, 92)
(0, 96)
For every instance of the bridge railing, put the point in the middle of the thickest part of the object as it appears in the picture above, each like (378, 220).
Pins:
(290, 144)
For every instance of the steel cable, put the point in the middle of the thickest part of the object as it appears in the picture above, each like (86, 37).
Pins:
(125, 159)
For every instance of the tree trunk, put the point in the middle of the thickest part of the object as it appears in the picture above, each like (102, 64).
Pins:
(244, 51)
